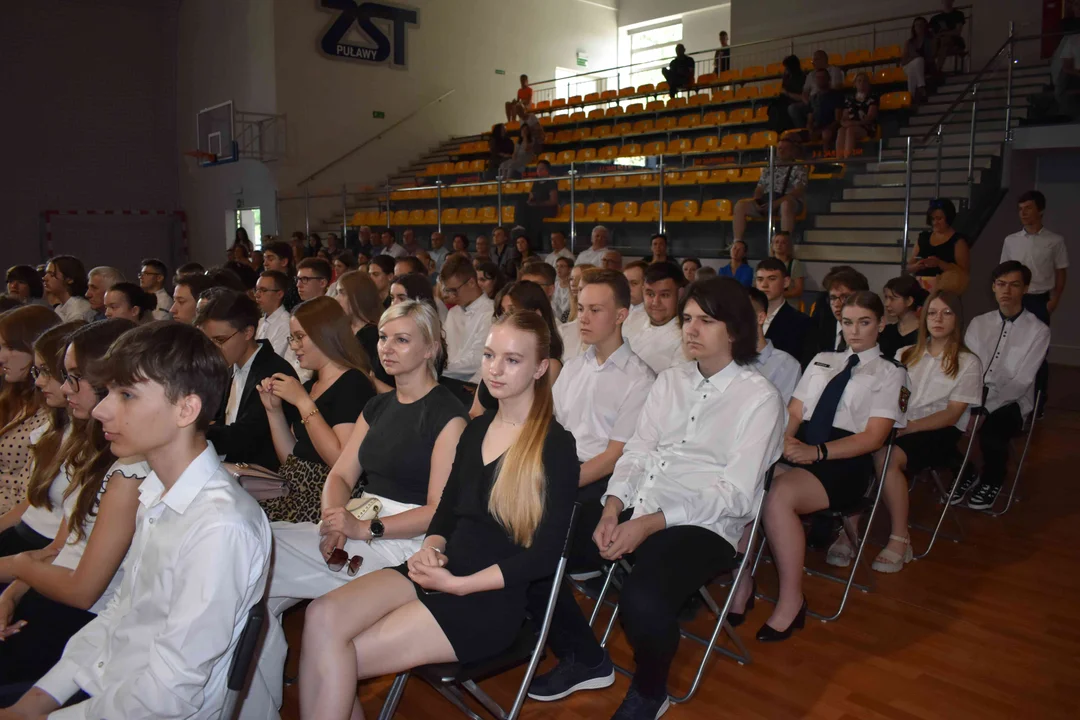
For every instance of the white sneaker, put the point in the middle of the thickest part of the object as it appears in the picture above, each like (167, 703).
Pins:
(840, 552)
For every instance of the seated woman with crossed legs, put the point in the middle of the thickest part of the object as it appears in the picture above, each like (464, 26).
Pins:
(501, 524)
(946, 381)
(842, 411)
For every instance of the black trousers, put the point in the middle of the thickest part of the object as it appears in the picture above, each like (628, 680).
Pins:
(27, 655)
(584, 555)
(21, 538)
(668, 568)
(676, 81)
(997, 430)
(1036, 305)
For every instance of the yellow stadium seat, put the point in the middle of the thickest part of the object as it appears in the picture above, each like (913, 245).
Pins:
(654, 106)
(761, 140)
(576, 117)
(747, 92)
(705, 79)
(380, 220)
(707, 143)
(565, 157)
(563, 136)
(679, 146)
(609, 94)
(585, 155)
(895, 100)
(512, 126)
(546, 121)
(650, 211)
(635, 108)
(467, 216)
(769, 90)
(478, 166)
(717, 177)
(646, 88)
(591, 97)
(630, 150)
(624, 211)
(432, 169)
(596, 212)
(723, 96)
(564, 186)
(689, 121)
(488, 214)
(750, 174)
(713, 211)
(807, 63)
(742, 115)
(621, 129)
(602, 131)
(695, 177)
(454, 191)
(431, 216)
(474, 190)
(415, 217)
(615, 111)
(627, 92)
(450, 216)
(714, 117)
(674, 177)
(754, 71)
(734, 141)
(681, 210)
(643, 126)
(890, 52)
(507, 214)
(728, 75)
(558, 103)
(573, 100)
(761, 114)
(836, 59)
(542, 106)
(461, 166)
(608, 152)
(773, 69)
(887, 76)
(699, 99)
(666, 123)
(677, 103)
(597, 114)
(654, 148)
(591, 182)
(662, 87)
(858, 57)
(559, 120)
(580, 134)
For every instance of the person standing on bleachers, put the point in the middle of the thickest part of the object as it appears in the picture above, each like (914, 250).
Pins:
(722, 56)
(541, 202)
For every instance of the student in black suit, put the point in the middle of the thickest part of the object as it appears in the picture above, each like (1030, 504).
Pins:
(825, 335)
(785, 326)
(241, 430)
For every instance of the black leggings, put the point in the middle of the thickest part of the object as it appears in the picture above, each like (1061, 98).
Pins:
(30, 653)
(668, 568)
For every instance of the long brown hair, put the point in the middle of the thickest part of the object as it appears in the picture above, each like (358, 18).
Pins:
(328, 326)
(364, 301)
(518, 495)
(19, 328)
(86, 449)
(954, 344)
(45, 453)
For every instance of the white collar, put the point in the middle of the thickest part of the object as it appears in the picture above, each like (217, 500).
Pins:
(277, 313)
(766, 352)
(186, 487)
(246, 367)
(618, 358)
(866, 355)
(719, 381)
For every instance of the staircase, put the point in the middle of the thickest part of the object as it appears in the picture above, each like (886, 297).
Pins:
(866, 224)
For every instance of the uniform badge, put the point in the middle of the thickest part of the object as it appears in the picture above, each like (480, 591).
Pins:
(905, 395)
(822, 364)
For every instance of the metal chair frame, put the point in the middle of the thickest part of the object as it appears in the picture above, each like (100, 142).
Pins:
(853, 536)
(741, 655)
(948, 494)
(451, 688)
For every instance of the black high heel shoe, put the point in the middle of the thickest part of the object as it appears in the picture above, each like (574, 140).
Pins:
(735, 619)
(768, 633)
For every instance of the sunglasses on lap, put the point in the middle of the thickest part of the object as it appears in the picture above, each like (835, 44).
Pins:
(339, 559)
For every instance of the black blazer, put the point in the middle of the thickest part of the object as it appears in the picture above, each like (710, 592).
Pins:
(248, 439)
(788, 331)
(822, 334)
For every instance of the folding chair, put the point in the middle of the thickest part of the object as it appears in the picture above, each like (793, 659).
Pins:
(243, 659)
(742, 656)
(450, 678)
(869, 506)
(1020, 465)
(947, 495)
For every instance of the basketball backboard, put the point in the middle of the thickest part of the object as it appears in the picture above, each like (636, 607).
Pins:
(216, 134)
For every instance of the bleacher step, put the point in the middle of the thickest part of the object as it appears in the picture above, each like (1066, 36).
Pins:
(849, 254)
(894, 221)
(1021, 86)
(947, 151)
(987, 100)
(835, 236)
(962, 137)
(857, 207)
(930, 164)
(963, 117)
(877, 179)
(960, 128)
(918, 192)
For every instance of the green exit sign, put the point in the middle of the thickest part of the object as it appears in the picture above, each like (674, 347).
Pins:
(582, 62)
(378, 114)
(500, 72)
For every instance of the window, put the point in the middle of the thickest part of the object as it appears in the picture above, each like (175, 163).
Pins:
(651, 48)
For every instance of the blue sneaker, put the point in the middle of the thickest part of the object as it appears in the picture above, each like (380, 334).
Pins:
(636, 706)
(569, 676)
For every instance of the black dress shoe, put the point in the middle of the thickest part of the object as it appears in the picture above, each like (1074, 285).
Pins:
(735, 619)
(768, 633)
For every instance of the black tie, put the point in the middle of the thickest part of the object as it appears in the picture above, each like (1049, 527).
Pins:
(821, 422)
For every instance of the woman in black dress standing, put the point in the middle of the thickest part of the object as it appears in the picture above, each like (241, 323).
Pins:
(940, 258)
(500, 525)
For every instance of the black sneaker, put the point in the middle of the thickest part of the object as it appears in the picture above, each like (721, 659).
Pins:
(569, 676)
(984, 497)
(636, 706)
(970, 478)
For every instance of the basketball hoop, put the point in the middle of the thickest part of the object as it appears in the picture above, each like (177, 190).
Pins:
(202, 157)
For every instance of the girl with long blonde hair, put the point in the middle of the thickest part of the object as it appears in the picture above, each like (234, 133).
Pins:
(501, 524)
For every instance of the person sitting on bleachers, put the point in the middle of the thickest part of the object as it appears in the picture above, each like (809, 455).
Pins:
(785, 327)
(516, 108)
(503, 252)
(200, 553)
(1011, 343)
(241, 430)
(279, 256)
(274, 323)
(842, 412)
(738, 268)
(499, 526)
(678, 499)
(514, 167)
(659, 343)
(789, 190)
(594, 255)
(946, 381)
(827, 330)
(468, 322)
(812, 87)
(788, 110)
(859, 120)
(680, 71)
(658, 244)
(941, 257)
(638, 318)
(918, 60)
(947, 28)
(826, 111)
(390, 245)
(778, 367)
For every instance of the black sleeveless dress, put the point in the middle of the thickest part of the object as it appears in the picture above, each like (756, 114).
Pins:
(946, 251)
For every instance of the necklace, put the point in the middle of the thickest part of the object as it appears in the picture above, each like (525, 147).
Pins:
(504, 421)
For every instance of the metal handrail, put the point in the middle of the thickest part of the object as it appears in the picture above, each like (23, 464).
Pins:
(906, 16)
(378, 136)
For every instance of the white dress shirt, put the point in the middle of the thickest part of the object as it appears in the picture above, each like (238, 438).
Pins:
(395, 251)
(74, 309)
(42, 520)
(570, 333)
(591, 257)
(779, 368)
(71, 554)
(1011, 352)
(164, 303)
(466, 332)
(597, 402)
(770, 316)
(932, 390)
(552, 258)
(659, 345)
(236, 390)
(1043, 253)
(635, 322)
(275, 328)
(702, 448)
(161, 649)
(873, 391)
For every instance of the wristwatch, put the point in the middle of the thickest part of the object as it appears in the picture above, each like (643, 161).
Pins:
(377, 528)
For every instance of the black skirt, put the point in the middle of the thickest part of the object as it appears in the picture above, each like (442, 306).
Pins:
(845, 480)
(21, 538)
(930, 449)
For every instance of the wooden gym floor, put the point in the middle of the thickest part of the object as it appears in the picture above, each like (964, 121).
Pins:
(985, 628)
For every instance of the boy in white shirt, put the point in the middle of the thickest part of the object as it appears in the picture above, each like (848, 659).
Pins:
(199, 558)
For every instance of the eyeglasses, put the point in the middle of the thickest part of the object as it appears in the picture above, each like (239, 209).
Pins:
(146, 273)
(452, 291)
(37, 371)
(940, 313)
(295, 339)
(67, 378)
(260, 291)
(339, 558)
(304, 279)
(838, 299)
(220, 341)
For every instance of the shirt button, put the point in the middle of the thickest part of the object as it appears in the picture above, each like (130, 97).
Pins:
(151, 521)
(101, 665)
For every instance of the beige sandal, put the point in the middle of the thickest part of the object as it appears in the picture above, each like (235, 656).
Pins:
(888, 561)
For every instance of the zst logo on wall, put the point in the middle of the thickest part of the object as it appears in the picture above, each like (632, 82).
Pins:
(391, 50)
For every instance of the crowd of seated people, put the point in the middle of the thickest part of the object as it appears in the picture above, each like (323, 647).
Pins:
(161, 477)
